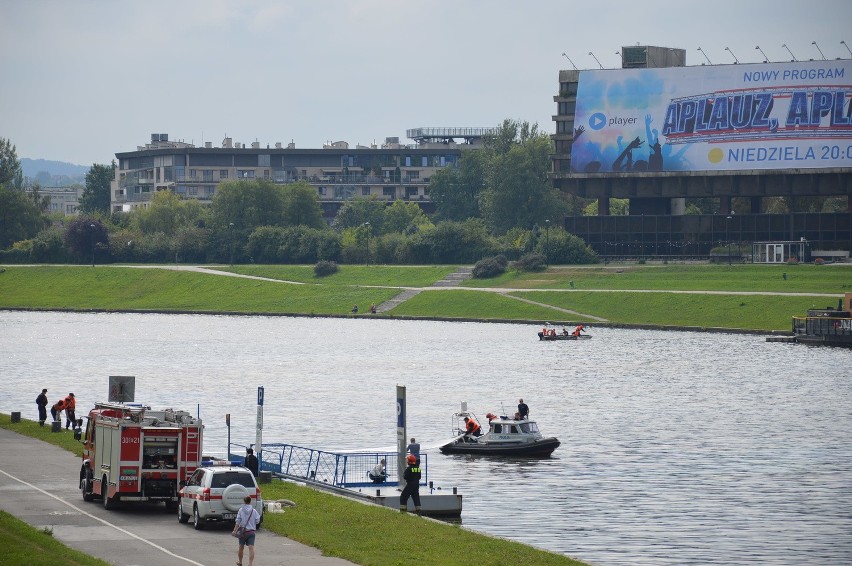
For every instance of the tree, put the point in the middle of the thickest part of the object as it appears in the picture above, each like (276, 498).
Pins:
(247, 205)
(168, 213)
(20, 216)
(404, 216)
(455, 191)
(84, 236)
(301, 206)
(96, 195)
(359, 211)
(10, 167)
(517, 191)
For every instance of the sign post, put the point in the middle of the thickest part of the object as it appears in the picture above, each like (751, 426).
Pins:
(258, 439)
(400, 433)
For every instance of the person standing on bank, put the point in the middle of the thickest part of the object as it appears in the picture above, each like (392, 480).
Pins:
(412, 485)
(70, 405)
(56, 411)
(41, 401)
(251, 461)
(247, 517)
(523, 410)
(414, 449)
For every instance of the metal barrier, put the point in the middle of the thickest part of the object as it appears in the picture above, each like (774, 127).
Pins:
(345, 469)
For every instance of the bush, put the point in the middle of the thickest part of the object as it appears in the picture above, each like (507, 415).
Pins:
(325, 267)
(489, 267)
(531, 262)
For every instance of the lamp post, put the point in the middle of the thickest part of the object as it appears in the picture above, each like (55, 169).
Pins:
(736, 61)
(815, 44)
(547, 241)
(765, 58)
(575, 66)
(92, 241)
(596, 59)
(784, 45)
(727, 222)
(231, 237)
(705, 56)
(843, 43)
(367, 226)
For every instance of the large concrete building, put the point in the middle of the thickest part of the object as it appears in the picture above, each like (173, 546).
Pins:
(658, 132)
(339, 173)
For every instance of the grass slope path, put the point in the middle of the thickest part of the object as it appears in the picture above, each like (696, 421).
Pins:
(450, 280)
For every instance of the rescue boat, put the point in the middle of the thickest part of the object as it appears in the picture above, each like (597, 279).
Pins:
(505, 437)
(543, 336)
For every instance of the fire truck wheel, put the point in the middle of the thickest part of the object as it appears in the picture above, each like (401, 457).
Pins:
(197, 521)
(182, 517)
(86, 485)
(109, 502)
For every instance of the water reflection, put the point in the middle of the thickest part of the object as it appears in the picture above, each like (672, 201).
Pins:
(676, 447)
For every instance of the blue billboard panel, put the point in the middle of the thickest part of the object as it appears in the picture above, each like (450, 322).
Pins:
(714, 118)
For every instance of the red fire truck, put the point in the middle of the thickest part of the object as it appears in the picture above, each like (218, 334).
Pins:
(131, 453)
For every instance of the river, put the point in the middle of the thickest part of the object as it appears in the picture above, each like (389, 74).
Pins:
(677, 447)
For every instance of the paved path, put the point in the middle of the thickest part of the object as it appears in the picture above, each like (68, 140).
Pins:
(38, 485)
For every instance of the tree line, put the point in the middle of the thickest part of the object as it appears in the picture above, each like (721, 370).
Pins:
(497, 202)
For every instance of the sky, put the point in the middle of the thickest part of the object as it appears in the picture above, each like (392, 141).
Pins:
(81, 81)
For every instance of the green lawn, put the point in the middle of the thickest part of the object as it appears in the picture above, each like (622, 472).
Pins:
(379, 275)
(754, 312)
(126, 288)
(802, 278)
(460, 303)
(133, 288)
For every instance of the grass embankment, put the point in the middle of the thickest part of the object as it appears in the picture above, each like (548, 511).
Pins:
(23, 544)
(609, 292)
(363, 534)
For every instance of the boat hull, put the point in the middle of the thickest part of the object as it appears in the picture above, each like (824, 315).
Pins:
(563, 337)
(542, 448)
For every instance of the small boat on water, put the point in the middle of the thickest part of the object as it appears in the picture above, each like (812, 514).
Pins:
(543, 336)
(505, 437)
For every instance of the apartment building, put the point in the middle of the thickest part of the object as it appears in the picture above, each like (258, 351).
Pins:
(339, 173)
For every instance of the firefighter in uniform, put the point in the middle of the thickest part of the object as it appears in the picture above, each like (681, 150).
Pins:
(412, 485)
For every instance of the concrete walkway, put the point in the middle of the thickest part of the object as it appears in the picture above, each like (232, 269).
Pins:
(450, 280)
(38, 484)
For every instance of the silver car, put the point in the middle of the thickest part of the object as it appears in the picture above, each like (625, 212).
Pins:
(216, 493)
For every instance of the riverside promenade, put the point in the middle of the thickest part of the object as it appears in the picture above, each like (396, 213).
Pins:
(38, 484)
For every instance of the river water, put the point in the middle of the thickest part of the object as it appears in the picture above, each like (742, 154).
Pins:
(677, 448)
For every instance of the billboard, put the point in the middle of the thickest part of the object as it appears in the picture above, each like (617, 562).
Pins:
(714, 118)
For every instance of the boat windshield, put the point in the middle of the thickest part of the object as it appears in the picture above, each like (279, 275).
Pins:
(529, 427)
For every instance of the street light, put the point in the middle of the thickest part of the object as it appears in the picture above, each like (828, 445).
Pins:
(814, 43)
(784, 45)
(231, 237)
(705, 55)
(547, 241)
(575, 66)
(596, 59)
(367, 226)
(92, 241)
(727, 222)
(736, 61)
(843, 43)
(765, 58)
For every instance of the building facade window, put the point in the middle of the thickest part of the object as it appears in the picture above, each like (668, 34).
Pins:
(223, 173)
(365, 191)
(263, 160)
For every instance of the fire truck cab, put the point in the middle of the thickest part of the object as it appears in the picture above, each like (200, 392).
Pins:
(133, 453)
